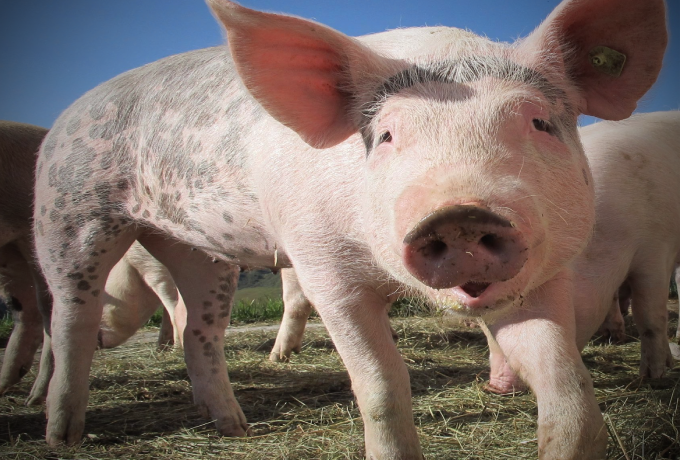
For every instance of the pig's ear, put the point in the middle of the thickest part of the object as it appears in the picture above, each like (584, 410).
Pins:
(613, 50)
(300, 71)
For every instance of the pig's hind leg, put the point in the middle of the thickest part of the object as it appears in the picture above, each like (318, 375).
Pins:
(76, 261)
(207, 287)
(649, 287)
(296, 310)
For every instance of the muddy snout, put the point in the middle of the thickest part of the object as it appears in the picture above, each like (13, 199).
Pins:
(464, 245)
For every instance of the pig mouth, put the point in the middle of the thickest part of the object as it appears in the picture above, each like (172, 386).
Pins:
(474, 288)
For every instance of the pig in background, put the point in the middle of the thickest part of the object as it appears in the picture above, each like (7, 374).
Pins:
(132, 292)
(636, 241)
(420, 161)
(21, 284)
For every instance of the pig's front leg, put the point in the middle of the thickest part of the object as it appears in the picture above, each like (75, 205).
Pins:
(296, 310)
(356, 319)
(538, 341)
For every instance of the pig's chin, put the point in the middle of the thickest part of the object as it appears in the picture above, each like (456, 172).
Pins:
(474, 299)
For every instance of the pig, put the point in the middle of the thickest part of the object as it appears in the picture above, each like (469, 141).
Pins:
(21, 285)
(127, 306)
(424, 161)
(635, 245)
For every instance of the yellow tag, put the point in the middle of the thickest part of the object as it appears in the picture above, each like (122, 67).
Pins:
(607, 60)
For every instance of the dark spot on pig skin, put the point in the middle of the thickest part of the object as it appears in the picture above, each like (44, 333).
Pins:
(146, 214)
(83, 285)
(216, 338)
(627, 157)
(221, 297)
(78, 300)
(225, 306)
(228, 236)
(207, 345)
(207, 304)
(225, 287)
(248, 251)
(54, 215)
(212, 291)
(48, 148)
(43, 210)
(103, 251)
(196, 332)
(208, 318)
(223, 314)
(72, 126)
(227, 217)
(93, 277)
(75, 276)
(135, 208)
(95, 293)
(202, 339)
(212, 241)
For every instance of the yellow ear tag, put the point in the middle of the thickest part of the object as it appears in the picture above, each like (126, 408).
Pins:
(607, 60)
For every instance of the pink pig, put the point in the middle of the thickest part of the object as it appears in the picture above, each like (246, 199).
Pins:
(426, 161)
(636, 244)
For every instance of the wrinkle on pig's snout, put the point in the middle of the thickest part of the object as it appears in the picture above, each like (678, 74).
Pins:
(464, 245)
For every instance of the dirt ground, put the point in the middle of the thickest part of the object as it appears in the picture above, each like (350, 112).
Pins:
(140, 402)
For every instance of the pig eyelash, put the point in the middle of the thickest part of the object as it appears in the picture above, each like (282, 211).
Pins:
(542, 125)
(385, 137)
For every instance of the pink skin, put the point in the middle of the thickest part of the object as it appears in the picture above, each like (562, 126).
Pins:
(485, 139)
(632, 253)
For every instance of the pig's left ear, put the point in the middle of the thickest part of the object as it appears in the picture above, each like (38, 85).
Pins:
(613, 50)
(303, 73)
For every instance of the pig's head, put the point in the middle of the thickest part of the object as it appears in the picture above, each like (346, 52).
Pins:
(476, 186)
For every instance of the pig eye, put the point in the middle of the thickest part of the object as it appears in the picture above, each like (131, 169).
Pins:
(385, 137)
(542, 125)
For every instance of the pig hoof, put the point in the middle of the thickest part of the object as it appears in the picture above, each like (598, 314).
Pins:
(68, 431)
(279, 357)
(505, 390)
(675, 351)
(34, 400)
(228, 426)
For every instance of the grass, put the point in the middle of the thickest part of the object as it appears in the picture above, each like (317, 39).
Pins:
(140, 403)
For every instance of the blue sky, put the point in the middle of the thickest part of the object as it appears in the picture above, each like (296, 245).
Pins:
(52, 51)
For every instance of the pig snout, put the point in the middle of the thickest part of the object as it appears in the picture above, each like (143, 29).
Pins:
(464, 245)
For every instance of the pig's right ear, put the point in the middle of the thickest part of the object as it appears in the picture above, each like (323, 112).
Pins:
(612, 49)
(302, 73)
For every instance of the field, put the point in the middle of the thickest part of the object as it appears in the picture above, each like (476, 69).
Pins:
(140, 402)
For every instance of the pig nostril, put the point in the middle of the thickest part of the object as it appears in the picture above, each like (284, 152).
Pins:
(492, 242)
(434, 249)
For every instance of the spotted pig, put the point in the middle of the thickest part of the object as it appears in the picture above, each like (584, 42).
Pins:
(429, 161)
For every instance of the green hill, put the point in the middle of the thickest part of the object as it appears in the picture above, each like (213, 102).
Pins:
(258, 284)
